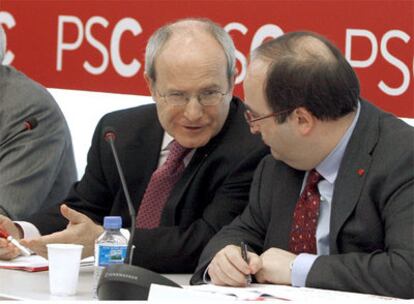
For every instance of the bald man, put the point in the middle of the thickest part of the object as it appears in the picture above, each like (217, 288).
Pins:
(190, 71)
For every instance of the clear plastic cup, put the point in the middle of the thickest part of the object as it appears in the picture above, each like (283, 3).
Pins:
(64, 262)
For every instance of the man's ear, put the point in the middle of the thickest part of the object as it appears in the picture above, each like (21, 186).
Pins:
(150, 85)
(304, 120)
(232, 83)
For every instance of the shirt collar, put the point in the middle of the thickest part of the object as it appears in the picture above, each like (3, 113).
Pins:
(167, 139)
(329, 167)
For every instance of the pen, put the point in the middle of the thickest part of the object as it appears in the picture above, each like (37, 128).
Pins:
(12, 240)
(243, 250)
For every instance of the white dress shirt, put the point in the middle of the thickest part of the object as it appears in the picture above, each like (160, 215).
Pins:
(328, 168)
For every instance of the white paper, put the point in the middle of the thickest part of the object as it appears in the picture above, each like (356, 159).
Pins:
(289, 293)
(168, 294)
(36, 261)
(239, 293)
(25, 261)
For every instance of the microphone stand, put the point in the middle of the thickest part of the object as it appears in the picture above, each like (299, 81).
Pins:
(127, 281)
(110, 138)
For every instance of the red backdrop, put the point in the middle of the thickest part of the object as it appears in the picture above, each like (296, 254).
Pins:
(99, 45)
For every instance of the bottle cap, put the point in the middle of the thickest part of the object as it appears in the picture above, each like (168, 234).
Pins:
(112, 222)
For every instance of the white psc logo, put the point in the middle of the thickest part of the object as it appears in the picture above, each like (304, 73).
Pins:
(7, 20)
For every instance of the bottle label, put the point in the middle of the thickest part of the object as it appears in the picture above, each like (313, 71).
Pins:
(111, 255)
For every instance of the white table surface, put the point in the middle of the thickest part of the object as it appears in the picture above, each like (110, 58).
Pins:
(22, 285)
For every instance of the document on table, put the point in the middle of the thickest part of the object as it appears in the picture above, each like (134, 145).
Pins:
(28, 263)
(35, 263)
(264, 292)
(168, 294)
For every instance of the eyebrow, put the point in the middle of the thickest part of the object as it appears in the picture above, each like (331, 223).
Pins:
(211, 87)
(172, 90)
(214, 87)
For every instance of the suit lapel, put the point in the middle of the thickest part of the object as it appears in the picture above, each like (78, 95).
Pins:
(179, 189)
(282, 212)
(142, 159)
(199, 157)
(353, 170)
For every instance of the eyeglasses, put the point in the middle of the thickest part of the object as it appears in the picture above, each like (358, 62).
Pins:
(251, 118)
(206, 98)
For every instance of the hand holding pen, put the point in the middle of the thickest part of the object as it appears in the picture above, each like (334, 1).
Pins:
(4, 234)
(233, 265)
(243, 249)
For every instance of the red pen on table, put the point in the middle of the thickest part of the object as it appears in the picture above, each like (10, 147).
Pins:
(12, 240)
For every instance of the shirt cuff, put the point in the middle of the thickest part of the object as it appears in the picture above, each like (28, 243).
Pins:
(206, 277)
(301, 267)
(29, 230)
(125, 233)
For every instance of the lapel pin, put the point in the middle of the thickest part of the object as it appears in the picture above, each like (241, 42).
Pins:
(361, 172)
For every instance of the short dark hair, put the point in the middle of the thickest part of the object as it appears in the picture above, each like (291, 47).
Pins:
(308, 73)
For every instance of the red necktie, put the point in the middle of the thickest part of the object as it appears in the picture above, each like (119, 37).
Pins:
(159, 188)
(305, 217)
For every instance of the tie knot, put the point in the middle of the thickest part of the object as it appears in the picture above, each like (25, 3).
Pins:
(313, 178)
(177, 152)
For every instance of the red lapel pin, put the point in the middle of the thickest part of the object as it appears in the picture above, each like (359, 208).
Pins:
(361, 172)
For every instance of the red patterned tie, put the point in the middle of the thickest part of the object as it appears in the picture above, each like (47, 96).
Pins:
(159, 188)
(305, 217)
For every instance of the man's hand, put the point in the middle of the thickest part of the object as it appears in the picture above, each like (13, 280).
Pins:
(7, 250)
(276, 267)
(80, 230)
(229, 268)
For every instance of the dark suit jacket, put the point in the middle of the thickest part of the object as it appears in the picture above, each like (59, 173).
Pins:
(212, 191)
(372, 216)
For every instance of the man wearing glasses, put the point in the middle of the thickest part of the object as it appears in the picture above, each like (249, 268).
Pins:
(188, 159)
(333, 206)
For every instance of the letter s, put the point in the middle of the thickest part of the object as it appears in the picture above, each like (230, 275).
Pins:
(395, 62)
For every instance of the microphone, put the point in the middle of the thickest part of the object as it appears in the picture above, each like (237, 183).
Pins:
(29, 124)
(126, 281)
(110, 136)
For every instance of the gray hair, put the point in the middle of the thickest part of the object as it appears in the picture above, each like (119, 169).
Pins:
(160, 37)
(2, 44)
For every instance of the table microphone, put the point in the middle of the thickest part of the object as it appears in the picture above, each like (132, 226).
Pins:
(126, 281)
(29, 124)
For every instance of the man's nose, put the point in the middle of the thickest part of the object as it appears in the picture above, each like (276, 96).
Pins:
(193, 109)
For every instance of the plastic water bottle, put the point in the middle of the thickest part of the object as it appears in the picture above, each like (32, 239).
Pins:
(110, 248)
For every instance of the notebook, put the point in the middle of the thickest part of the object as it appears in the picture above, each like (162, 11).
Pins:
(35, 263)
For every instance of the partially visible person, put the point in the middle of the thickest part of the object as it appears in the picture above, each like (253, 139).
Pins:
(37, 167)
(188, 159)
(333, 206)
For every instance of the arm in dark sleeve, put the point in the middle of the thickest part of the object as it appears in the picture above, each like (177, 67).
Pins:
(388, 272)
(90, 196)
(173, 249)
(249, 227)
